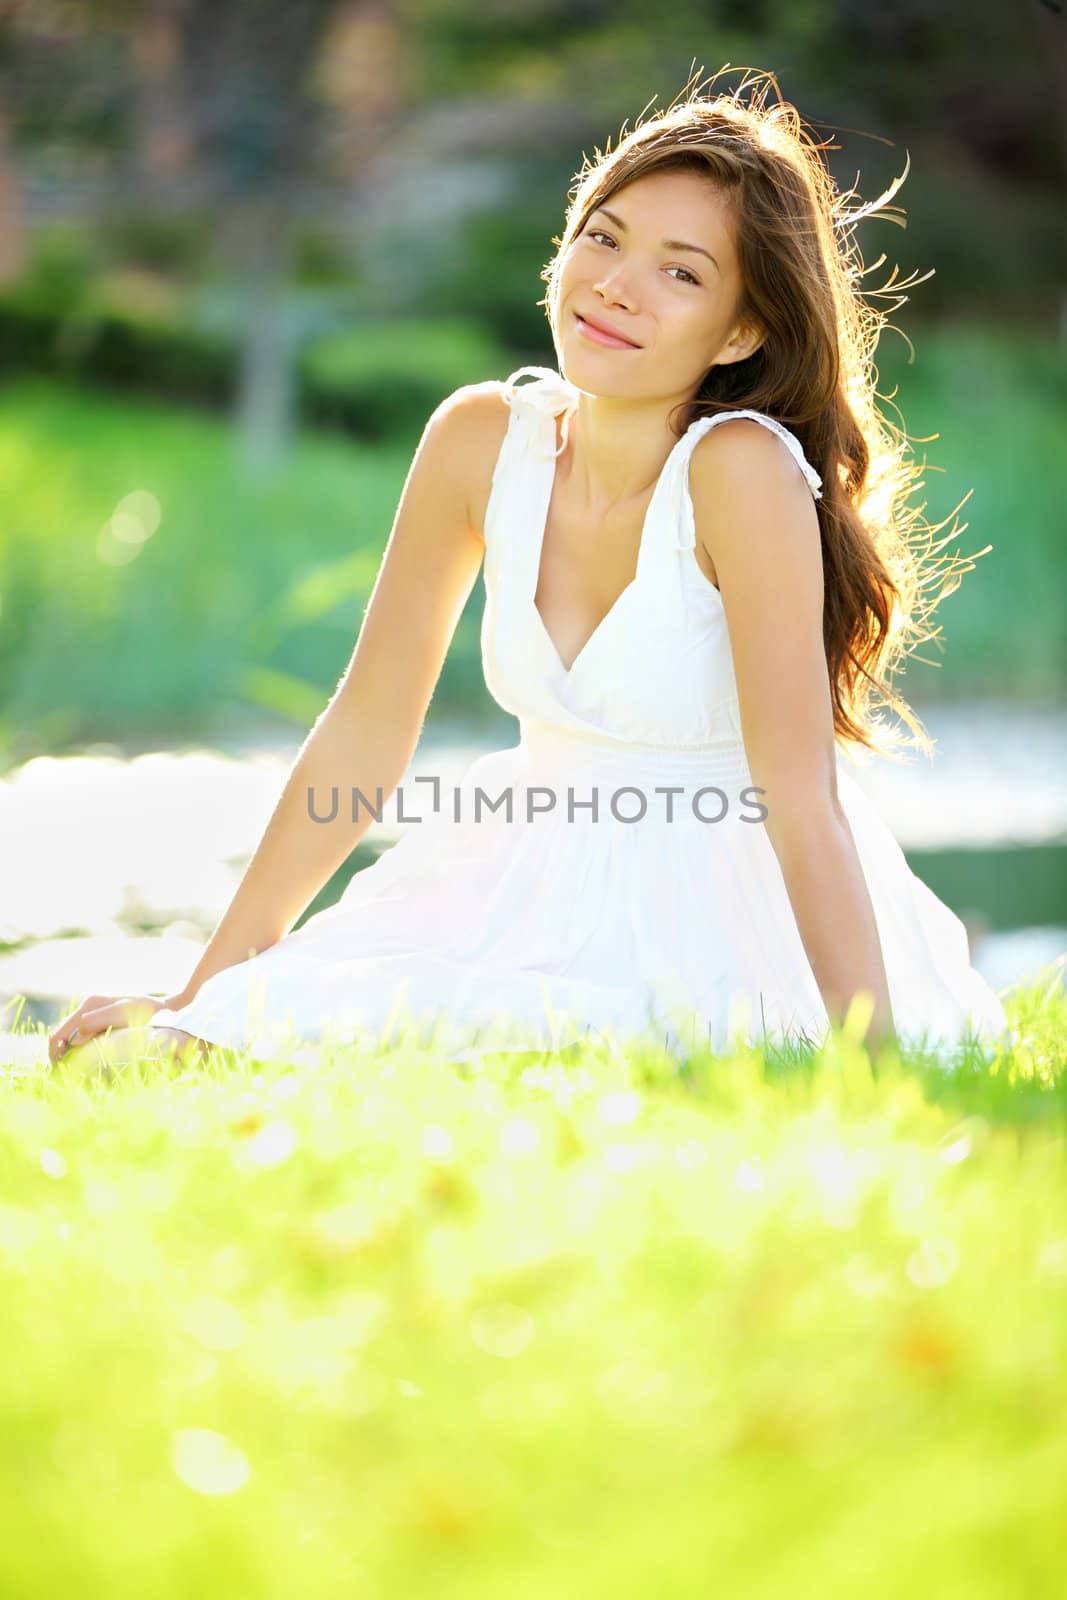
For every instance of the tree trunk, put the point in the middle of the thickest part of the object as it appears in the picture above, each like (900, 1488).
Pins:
(12, 243)
(266, 398)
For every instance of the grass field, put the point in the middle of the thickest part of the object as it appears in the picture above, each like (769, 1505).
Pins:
(614, 1326)
(249, 598)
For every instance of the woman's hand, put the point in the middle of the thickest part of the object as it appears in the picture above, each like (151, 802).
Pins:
(98, 1013)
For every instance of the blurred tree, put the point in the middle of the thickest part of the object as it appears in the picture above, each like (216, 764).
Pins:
(11, 226)
(402, 122)
(228, 90)
(193, 102)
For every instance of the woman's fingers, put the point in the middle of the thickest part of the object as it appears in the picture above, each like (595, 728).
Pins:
(87, 1020)
(98, 1013)
(59, 1038)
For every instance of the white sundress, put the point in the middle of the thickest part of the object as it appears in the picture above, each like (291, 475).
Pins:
(482, 932)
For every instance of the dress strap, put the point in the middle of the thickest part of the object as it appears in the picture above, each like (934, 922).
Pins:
(681, 503)
(528, 445)
(548, 395)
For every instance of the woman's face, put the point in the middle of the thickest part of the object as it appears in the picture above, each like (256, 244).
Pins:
(627, 269)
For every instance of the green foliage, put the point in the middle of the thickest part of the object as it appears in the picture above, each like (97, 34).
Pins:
(320, 256)
(137, 330)
(378, 375)
(496, 263)
(63, 263)
(75, 314)
(129, 305)
(176, 244)
(592, 1323)
(991, 247)
(998, 402)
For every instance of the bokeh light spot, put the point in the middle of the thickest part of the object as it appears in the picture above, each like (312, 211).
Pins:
(208, 1462)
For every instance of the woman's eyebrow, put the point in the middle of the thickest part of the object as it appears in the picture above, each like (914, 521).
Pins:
(668, 244)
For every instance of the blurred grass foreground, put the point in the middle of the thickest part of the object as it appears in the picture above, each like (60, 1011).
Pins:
(762, 1325)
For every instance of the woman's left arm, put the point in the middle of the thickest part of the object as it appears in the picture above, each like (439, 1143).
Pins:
(757, 520)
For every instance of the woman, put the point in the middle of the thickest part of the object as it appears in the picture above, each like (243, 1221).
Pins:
(699, 570)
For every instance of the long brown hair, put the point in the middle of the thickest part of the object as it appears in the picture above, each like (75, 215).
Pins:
(801, 274)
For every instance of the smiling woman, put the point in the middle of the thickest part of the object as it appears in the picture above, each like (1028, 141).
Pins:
(698, 571)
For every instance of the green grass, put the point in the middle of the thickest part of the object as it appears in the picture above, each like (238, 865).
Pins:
(251, 597)
(617, 1325)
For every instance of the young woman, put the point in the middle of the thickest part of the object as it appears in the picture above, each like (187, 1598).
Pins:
(700, 569)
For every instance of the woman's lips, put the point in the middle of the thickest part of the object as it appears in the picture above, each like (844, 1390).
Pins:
(603, 338)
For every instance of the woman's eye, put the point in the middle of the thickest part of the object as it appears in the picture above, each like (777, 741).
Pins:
(598, 233)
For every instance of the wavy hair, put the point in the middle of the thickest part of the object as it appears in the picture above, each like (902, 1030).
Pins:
(801, 273)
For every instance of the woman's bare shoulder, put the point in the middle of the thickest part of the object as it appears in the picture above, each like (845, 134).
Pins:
(477, 417)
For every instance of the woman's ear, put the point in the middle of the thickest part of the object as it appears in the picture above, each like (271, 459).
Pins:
(742, 343)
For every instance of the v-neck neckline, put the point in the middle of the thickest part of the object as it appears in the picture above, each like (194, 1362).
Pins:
(568, 672)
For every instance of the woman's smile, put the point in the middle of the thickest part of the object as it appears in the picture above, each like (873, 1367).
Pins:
(600, 337)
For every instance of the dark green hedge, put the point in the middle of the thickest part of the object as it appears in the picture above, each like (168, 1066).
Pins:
(369, 380)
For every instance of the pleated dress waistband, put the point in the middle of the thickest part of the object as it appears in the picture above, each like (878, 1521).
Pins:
(573, 756)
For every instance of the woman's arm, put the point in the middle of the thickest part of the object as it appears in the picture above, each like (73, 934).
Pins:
(756, 518)
(366, 736)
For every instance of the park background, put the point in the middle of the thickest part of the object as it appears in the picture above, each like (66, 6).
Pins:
(760, 1324)
(245, 250)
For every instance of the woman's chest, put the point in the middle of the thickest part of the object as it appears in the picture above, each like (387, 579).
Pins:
(588, 563)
